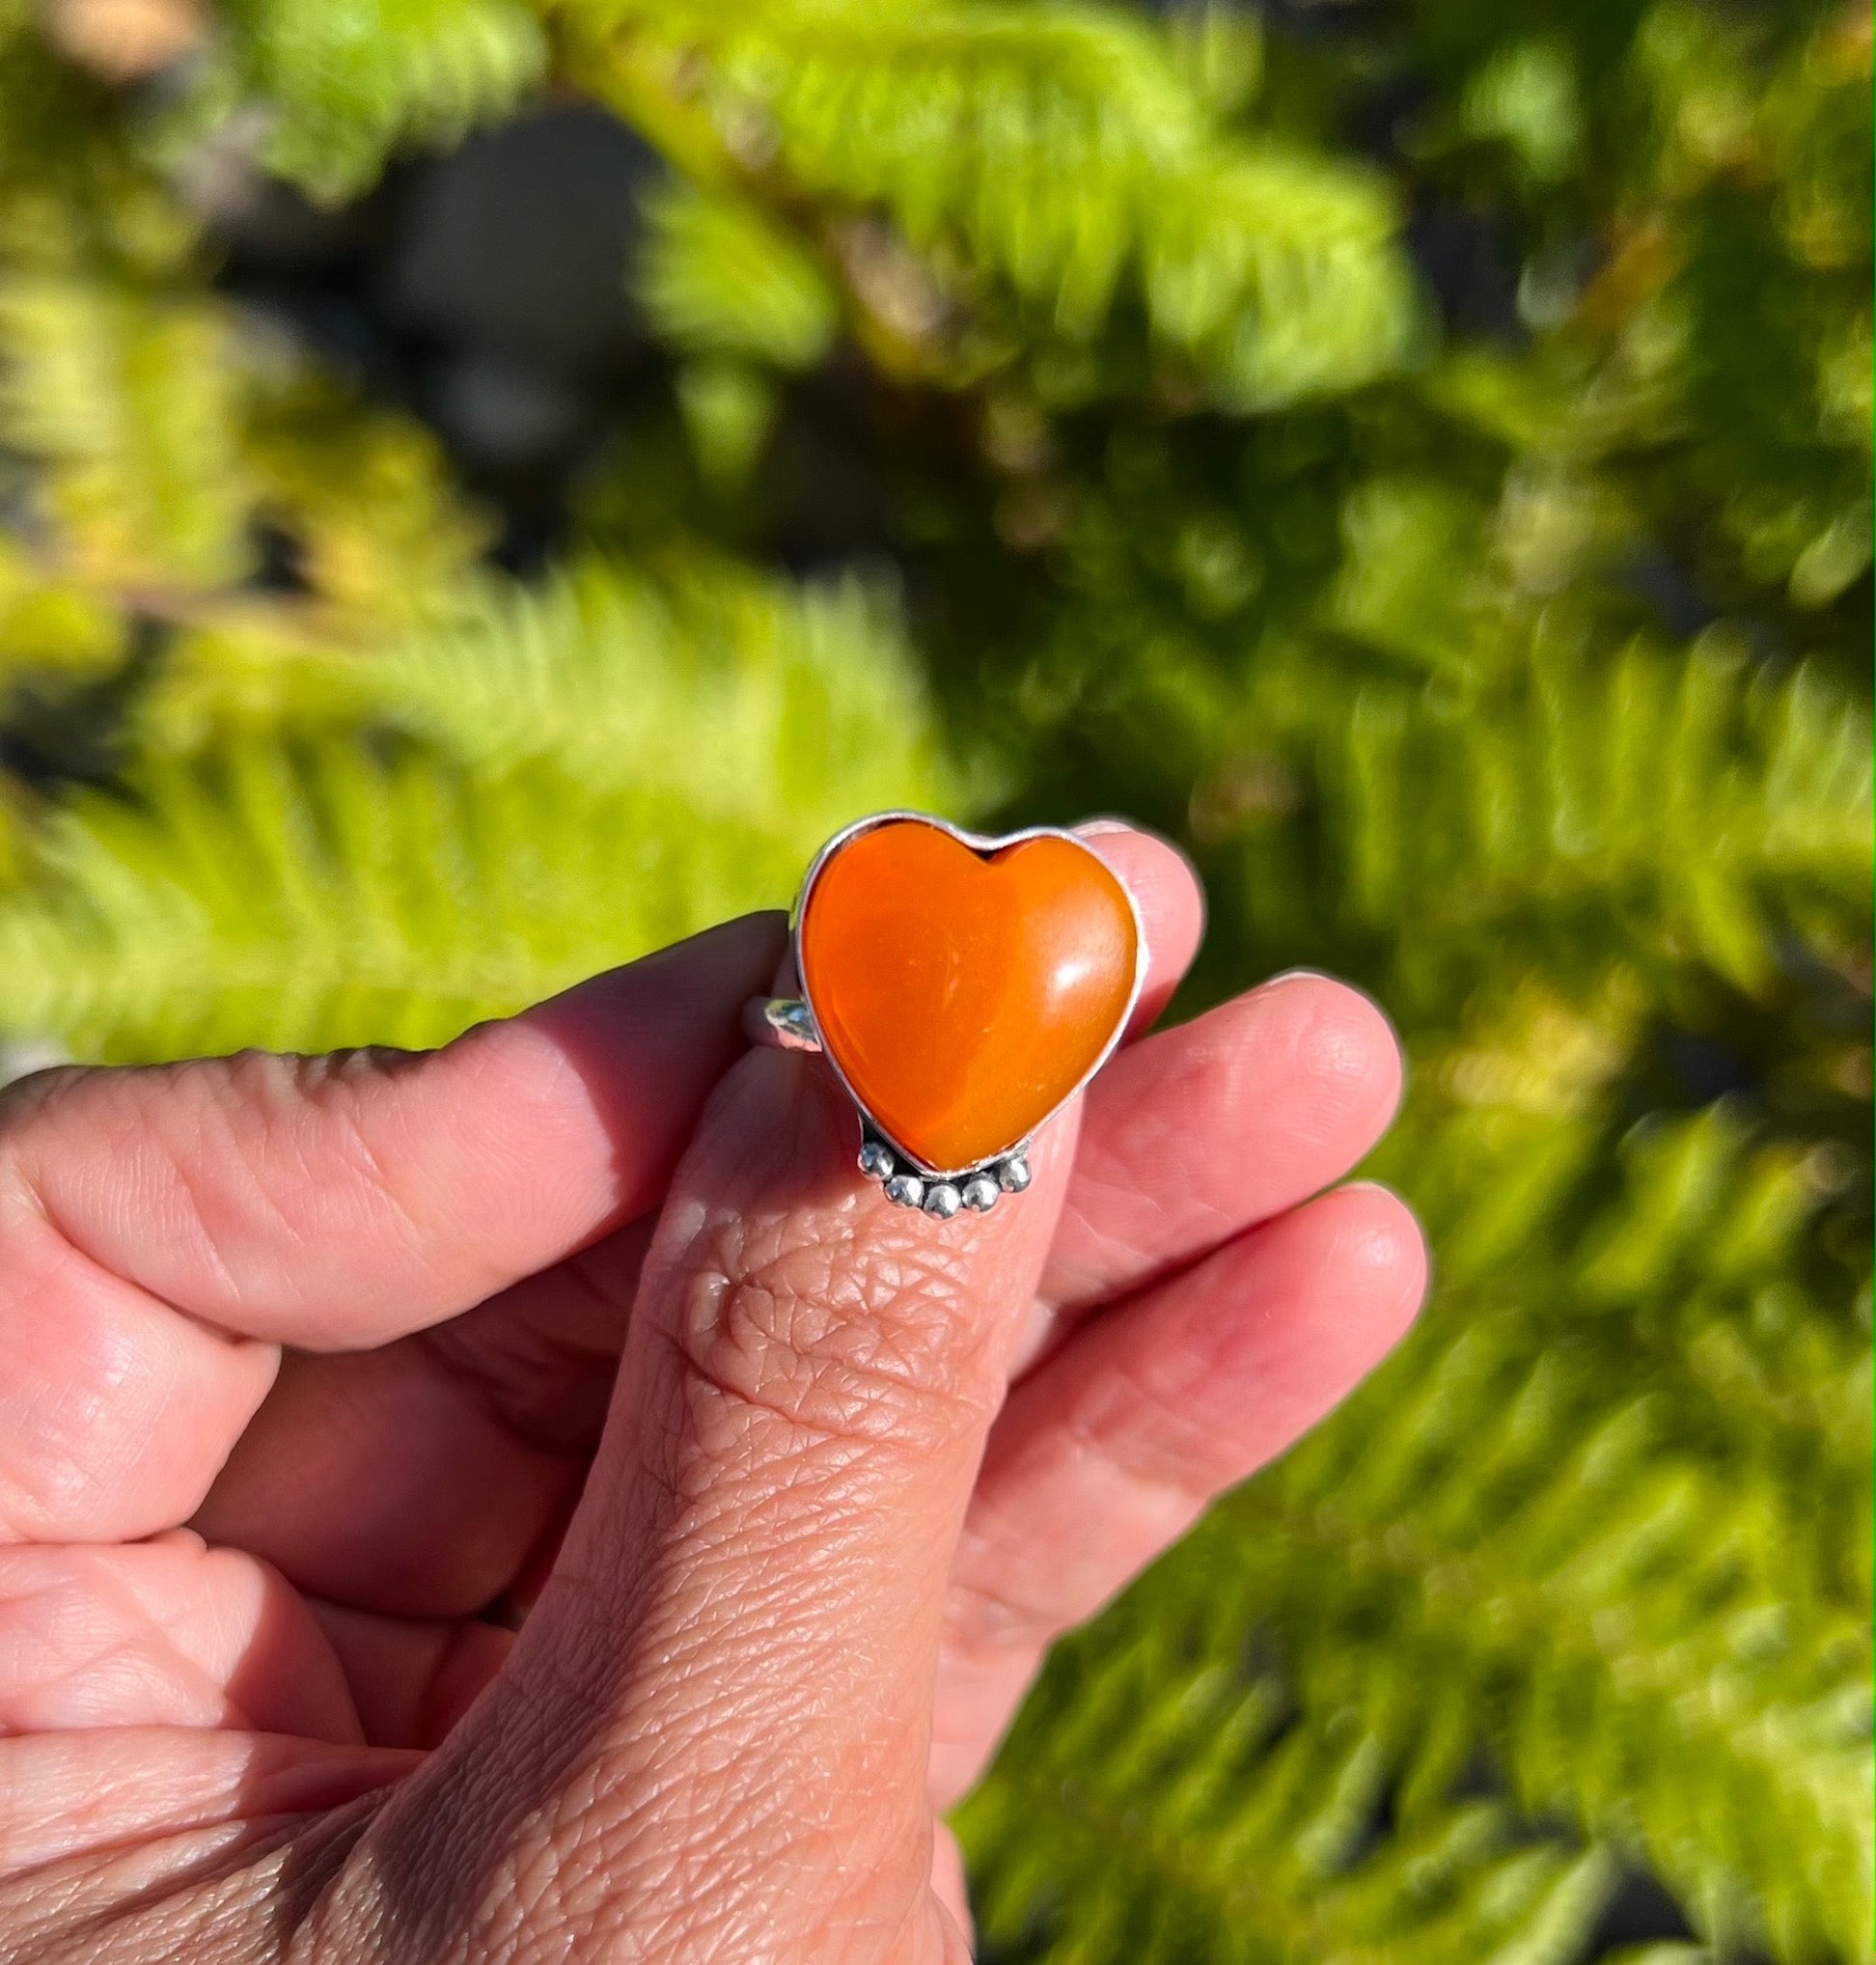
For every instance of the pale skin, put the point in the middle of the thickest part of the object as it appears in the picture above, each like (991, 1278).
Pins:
(306, 1363)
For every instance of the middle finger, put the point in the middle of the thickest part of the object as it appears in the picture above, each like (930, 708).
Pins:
(1198, 1132)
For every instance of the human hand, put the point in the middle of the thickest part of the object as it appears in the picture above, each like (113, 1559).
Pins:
(843, 1471)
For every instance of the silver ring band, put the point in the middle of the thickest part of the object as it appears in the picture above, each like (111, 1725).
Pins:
(780, 1023)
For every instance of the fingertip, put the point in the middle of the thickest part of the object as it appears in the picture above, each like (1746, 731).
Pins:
(747, 944)
(1321, 1296)
(760, 929)
(1167, 892)
(691, 981)
(1342, 1042)
(1380, 1246)
(1162, 880)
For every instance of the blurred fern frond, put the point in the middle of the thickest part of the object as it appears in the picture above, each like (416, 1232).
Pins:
(1050, 162)
(129, 400)
(1240, 1825)
(1671, 794)
(569, 778)
(719, 278)
(347, 82)
(749, 694)
(298, 899)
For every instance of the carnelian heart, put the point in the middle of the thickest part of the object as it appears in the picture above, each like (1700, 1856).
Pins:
(964, 997)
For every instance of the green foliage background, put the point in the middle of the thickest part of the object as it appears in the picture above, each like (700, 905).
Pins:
(1517, 668)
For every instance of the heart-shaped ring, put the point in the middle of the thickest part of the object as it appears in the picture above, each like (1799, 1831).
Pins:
(963, 988)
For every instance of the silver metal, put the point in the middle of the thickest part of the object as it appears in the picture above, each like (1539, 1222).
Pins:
(790, 1023)
(785, 1023)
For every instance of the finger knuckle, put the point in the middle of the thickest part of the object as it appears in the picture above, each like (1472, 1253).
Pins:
(859, 1335)
(35, 1093)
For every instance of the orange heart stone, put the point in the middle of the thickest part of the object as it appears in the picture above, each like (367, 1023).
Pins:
(964, 995)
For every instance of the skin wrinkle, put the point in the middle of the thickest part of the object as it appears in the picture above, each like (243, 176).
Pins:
(749, 1610)
(42, 1110)
(686, 1869)
(708, 1721)
(862, 1352)
(378, 1168)
(308, 1870)
(163, 1898)
(38, 1208)
(207, 1778)
(983, 1623)
(65, 1481)
(486, 1058)
(810, 1333)
(99, 1648)
(1114, 1225)
(146, 1602)
(1122, 1251)
(22, 1097)
(506, 1365)
(777, 1499)
(350, 1116)
(749, 1602)
(696, 985)
(1185, 1451)
(182, 1164)
(590, 1852)
(252, 1080)
(112, 1637)
(73, 1478)
(345, 1100)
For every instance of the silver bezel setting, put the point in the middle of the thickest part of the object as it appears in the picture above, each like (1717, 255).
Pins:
(941, 1192)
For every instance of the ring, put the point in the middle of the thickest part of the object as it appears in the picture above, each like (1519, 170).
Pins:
(962, 989)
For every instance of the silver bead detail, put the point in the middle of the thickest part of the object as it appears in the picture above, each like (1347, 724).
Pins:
(1013, 1174)
(877, 1162)
(905, 1190)
(941, 1200)
(981, 1192)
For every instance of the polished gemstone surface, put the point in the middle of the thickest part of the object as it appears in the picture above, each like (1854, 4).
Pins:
(964, 997)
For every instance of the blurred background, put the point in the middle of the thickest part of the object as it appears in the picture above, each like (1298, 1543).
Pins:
(486, 487)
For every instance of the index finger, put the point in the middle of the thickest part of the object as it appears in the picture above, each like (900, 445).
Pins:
(162, 1230)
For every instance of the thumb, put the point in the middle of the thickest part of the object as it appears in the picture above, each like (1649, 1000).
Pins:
(711, 1740)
